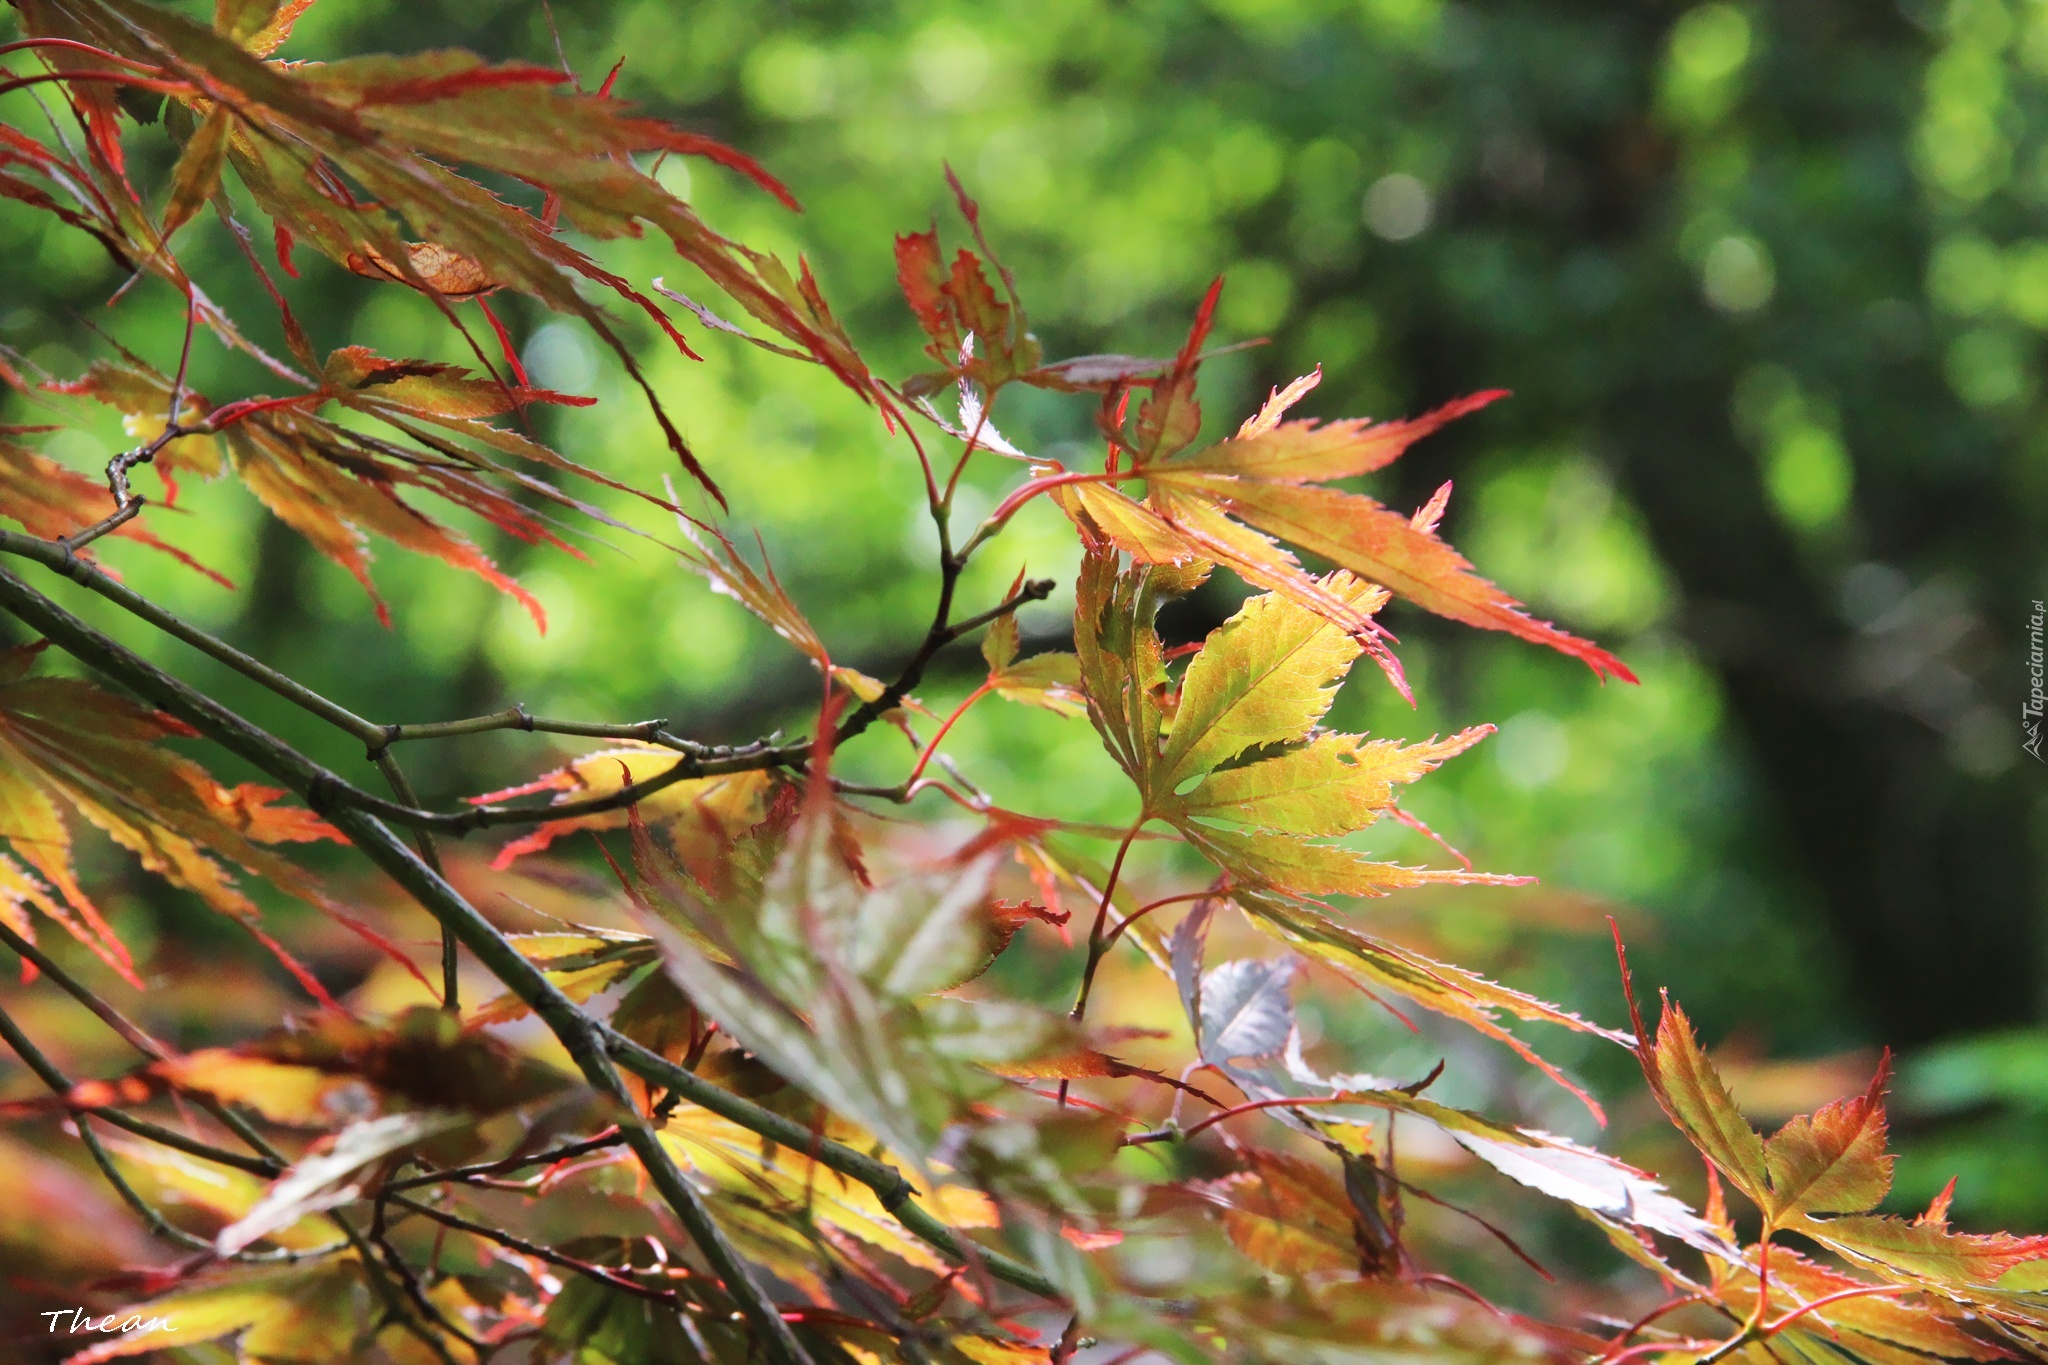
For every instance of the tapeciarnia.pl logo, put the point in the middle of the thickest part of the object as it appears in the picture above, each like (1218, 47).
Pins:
(2030, 710)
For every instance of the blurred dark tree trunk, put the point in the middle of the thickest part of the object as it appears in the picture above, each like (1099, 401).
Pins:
(1924, 870)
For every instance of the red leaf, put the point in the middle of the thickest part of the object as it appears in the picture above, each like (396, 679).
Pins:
(923, 280)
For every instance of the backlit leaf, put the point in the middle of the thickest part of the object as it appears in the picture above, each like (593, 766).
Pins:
(1928, 1253)
(1690, 1089)
(1228, 501)
(1380, 545)
(204, 1314)
(219, 1194)
(304, 1096)
(1266, 676)
(1308, 452)
(734, 1161)
(196, 177)
(1833, 1161)
(1333, 785)
(65, 744)
(701, 814)
(1286, 1214)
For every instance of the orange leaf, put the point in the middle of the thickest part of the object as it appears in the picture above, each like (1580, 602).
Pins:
(1692, 1093)
(1381, 545)
(1833, 1161)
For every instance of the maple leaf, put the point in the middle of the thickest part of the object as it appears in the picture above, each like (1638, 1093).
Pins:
(1231, 757)
(733, 1160)
(701, 815)
(336, 485)
(1830, 1162)
(1927, 1252)
(325, 1177)
(209, 1312)
(1821, 1173)
(1866, 1323)
(218, 1196)
(1243, 1017)
(1834, 1160)
(1231, 502)
(1051, 680)
(196, 177)
(830, 981)
(51, 502)
(351, 155)
(582, 963)
(1286, 1214)
(338, 1070)
(1691, 1091)
(66, 744)
(977, 336)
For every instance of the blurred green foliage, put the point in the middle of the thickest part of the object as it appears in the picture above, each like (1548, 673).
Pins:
(1770, 282)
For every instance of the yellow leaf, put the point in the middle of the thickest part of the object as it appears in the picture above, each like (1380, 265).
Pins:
(222, 1193)
(302, 1096)
(1265, 676)
(1051, 681)
(1131, 527)
(199, 1315)
(735, 1161)
(702, 813)
(1333, 785)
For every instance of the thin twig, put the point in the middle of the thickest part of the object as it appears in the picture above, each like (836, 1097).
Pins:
(46, 1071)
(602, 1274)
(1098, 945)
(603, 1142)
(408, 1278)
(136, 1038)
(451, 962)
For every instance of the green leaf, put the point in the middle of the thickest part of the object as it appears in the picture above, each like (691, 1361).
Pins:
(921, 933)
(826, 980)
(1051, 681)
(1266, 676)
